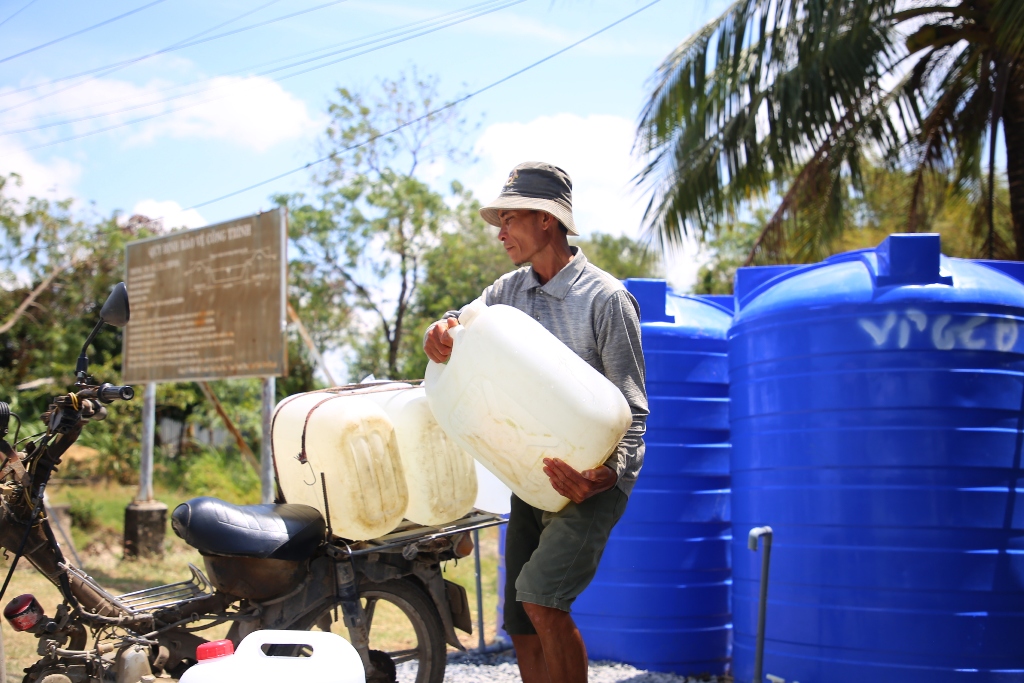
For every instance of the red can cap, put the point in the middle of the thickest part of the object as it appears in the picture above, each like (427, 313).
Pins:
(215, 649)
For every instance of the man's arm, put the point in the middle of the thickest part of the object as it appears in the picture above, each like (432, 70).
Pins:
(617, 328)
(618, 341)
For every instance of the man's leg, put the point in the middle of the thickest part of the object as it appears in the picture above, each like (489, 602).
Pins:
(530, 655)
(565, 655)
(521, 539)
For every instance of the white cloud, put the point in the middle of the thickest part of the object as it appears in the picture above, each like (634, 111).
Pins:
(596, 152)
(170, 214)
(53, 179)
(252, 112)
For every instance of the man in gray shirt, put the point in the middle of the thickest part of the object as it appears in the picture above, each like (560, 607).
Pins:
(551, 557)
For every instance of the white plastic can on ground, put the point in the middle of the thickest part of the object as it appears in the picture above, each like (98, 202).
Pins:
(324, 657)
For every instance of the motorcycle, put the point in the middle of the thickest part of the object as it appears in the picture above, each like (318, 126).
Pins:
(266, 567)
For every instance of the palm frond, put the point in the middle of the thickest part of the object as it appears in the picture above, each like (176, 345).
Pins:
(753, 94)
(1007, 20)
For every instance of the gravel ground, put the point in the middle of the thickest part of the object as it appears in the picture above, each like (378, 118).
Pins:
(500, 667)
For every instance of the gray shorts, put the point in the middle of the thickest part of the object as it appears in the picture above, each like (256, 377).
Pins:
(550, 557)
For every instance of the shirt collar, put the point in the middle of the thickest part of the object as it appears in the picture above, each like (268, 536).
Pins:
(562, 282)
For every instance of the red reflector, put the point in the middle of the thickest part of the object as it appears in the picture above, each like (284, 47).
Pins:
(24, 612)
(215, 649)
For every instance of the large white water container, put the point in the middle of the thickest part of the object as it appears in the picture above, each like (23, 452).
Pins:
(512, 394)
(439, 474)
(352, 441)
(327, 658)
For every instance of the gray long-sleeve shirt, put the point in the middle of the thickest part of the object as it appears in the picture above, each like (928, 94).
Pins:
(593, 314)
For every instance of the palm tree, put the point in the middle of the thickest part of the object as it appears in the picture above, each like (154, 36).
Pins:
(789, 98)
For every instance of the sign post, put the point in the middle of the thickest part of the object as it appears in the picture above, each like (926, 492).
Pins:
(207, 303)
(266, 454)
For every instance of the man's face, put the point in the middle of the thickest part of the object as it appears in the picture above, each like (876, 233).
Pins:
(522, 233)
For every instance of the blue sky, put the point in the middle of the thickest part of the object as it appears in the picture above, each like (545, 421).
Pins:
(230, 126)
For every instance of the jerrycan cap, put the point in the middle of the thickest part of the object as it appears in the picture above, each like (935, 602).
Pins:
(214, 649)
(471, 311)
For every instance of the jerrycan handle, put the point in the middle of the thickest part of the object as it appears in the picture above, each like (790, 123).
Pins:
(471, 310)
(434, 370)
(252, 644)
(454, 333)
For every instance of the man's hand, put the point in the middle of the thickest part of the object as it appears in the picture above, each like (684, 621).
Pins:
(438, 344)
(578, 486)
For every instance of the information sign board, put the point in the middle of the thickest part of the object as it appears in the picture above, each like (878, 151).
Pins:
(208, 303)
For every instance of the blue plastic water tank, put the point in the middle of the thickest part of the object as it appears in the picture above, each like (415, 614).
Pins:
(501, 634)
(877, 412)
(660, 600)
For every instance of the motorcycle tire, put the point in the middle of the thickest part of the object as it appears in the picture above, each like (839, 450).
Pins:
(430, 647)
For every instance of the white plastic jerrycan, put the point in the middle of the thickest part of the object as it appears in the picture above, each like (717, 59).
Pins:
(326, 658)
(350, 440)
(512, 394)
(439, 474)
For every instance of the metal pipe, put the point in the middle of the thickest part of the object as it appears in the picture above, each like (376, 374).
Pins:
(266, 457)
(148, 439)
(762, 607)
(481, 642)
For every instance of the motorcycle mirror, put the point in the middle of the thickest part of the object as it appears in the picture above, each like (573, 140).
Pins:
(115, 309)
(115, 312)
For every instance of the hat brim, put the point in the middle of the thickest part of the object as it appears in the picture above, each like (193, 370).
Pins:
(564, 215)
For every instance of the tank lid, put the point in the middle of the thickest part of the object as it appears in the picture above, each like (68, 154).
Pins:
(726, 302)
(750, 280)
(910, 259)
(650, 294)
(904, 268)
(1014, 269)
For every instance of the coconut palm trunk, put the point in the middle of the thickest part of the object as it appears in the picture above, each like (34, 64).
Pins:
(1013, 132)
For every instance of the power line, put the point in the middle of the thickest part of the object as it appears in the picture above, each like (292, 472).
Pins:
(372, 48)
(429, 114)
(18, 11)
(353, 44)
(187, 42)
(80, 31)
(111, 68)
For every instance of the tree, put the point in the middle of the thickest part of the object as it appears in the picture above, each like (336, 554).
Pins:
(364, 240)
(869, 216)
(466, 259)
(786, 99)
(57, 269)
(620, 256)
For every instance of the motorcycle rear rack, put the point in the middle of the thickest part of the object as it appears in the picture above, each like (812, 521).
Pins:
(162, 597)
(151, 599)
(410, 533)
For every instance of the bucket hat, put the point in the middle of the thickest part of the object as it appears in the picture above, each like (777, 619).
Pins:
(535, 185)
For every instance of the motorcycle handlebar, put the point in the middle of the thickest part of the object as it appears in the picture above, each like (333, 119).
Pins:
(108, 393)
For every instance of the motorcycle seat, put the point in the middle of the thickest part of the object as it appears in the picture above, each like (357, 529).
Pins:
(280, 532)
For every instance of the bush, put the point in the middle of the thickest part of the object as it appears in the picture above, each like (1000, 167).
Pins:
(204, 471)
(83, 513)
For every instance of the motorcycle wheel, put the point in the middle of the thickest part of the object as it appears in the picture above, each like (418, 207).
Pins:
(404, 626)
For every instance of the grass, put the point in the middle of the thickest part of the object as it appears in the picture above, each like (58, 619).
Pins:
(101, 552)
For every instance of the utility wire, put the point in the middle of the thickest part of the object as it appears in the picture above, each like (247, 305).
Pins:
(80, 31)
(353, 44)
(111, 68)
(429, 114)
(372, 48)
(187, 42)
(19, 11)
